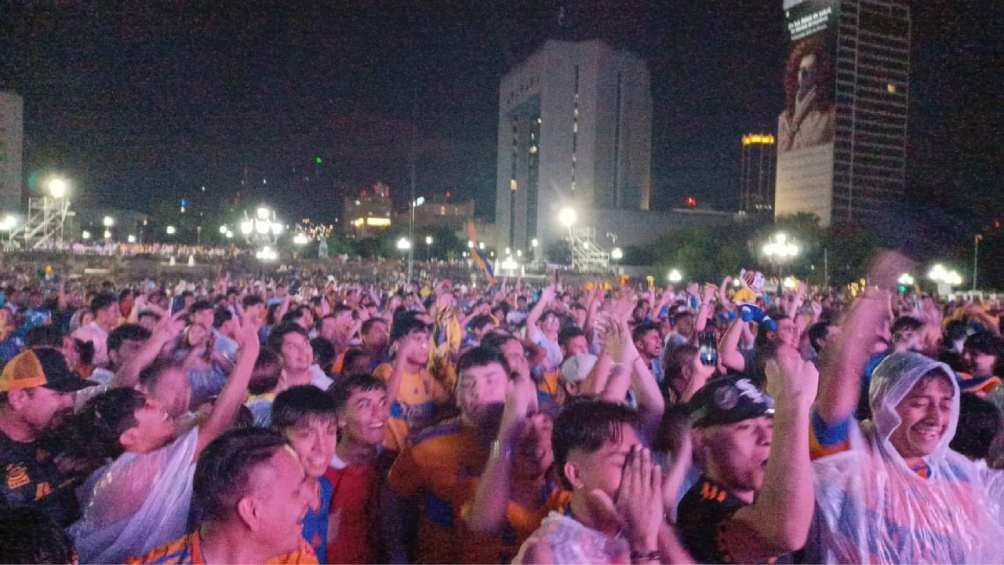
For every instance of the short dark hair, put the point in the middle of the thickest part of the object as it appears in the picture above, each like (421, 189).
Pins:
(818, 332)
(152, 372)
(368, 325)
(148, 313)
(200, 305)
(479, 357)
(103, 300)
(406, 324)
(324, 352)
(298, 403)
(349, 359)
(568, 333)
(955, 330)
(28, 535)
(266, 373)
(43, 336)
(586, 424)
(480, 321)
(93, 434)
(342, 390)
(905, 323)
(126, 332)
(224, 468)
(639, 331)
(495, 340)
(251, 300)
(979, 423)
(983, 342)
(221, 316)
(276, 337)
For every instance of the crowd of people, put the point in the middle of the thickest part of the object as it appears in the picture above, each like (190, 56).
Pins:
(317, 420)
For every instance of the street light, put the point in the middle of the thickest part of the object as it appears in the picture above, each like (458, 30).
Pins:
(534, 243)
(171, 230)
(428, 240)
(906, 279)
(567, 217)
(617, 254)
(404, 244)
(223, 230)
(108, 221)
(301, 239)
(247, 226)
(131, 238)
(108, 234)
(674, 276)
(8, 223)
(779, 249)
(57, 187)
(943, 276)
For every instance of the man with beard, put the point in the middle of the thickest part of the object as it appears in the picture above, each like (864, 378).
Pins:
(36, 391)
(444, 461)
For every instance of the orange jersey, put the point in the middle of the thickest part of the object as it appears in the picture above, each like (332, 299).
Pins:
(187, 550)
(419, 398)
(441, 466)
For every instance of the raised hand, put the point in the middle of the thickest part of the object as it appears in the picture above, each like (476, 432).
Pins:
(791, 378)
(639, 499)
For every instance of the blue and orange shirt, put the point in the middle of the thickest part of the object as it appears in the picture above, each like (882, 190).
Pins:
(441, 466)
(315, 522)
(419, 399)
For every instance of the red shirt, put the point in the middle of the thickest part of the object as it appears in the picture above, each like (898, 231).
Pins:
(353, 517)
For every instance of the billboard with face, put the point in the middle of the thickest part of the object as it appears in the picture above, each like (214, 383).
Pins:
(805, 126)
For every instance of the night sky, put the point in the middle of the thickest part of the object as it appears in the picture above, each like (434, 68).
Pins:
(141, 102)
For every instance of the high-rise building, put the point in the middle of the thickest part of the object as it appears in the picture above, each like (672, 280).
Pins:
(11, 142)
(756, 180)
(575, 123)
(841, 137)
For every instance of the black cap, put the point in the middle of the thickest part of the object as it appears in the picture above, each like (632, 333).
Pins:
(58, 375)
(728, 399)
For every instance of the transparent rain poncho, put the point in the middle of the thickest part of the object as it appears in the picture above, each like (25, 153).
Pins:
(140, 501)
(874, 509)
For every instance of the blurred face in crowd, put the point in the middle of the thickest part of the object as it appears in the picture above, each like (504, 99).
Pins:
(306, 320)
(786, 333)
(314, 439)
(576, 346)
(603, 468)
(685, 325)
(640, 311)
(579, 315)
(154, 428)
(979, 363)
(297, 354)
(196, 335)
(40, 408)
(532, 454)
(924, 416)
(126, 351)
(736, 454)
(513, 352)
(481, 393)
(328, 329)
(277, 502)
(203, 317)
(376, 337)
(417, 344)
(255, 312)
(480, 332)
(108, 316)
(364, 416)
(86, 318)
(650, 344)
(549, 323)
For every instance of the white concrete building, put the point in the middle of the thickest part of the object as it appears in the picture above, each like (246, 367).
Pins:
(11, 147)
(575, 128)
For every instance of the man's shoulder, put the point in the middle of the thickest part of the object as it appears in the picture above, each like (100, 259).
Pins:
(445, 431)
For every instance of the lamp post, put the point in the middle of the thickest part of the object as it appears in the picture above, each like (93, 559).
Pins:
(567, 217)
(779, 249)
(415, 203)
(674, 276)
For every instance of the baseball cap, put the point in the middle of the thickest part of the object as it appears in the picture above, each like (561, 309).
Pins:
(41, 367)
(576, 368)
(727, 400)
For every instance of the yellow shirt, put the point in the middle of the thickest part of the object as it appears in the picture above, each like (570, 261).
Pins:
(419, 398)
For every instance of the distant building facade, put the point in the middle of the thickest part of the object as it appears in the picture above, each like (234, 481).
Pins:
(756, 177)
(575, 124)
(368, 213)
(841, 137)
(11, 151)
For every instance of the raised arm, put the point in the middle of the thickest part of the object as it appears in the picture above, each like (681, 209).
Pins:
(232, 396)
(487, 514)
(546, 296)
(843, 364)
(780, 517)
(728, 349)
(165, 332)
(705, 310)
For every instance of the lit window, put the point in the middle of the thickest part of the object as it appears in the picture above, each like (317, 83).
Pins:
(533, 149)
(575, 127)
(891, 88)
(379, 222)
(512, 185)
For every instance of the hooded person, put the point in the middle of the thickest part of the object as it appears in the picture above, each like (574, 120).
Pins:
(891, 490)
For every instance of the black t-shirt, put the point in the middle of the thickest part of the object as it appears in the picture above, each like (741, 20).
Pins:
(704, 511)
(30, 478)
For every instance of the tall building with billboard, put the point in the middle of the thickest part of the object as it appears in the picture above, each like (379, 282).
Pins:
(841, 136)
(11, 144)
(756, 177)
(575, 124)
